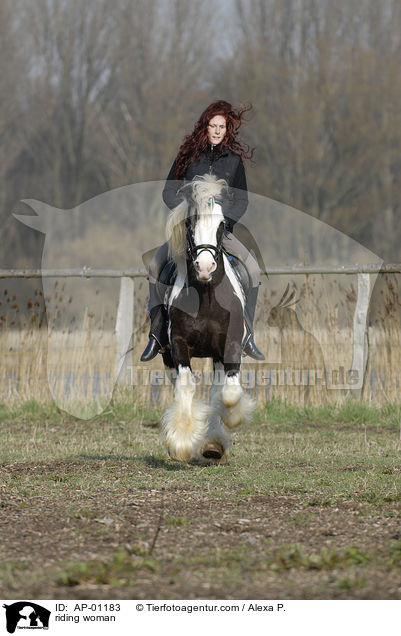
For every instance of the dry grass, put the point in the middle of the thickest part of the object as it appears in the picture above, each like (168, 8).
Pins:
(308, 347)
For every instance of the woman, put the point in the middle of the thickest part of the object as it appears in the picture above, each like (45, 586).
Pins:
(212, 148)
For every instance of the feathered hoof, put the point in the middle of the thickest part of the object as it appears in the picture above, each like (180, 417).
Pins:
(241, 413)
(213, 450)
(180, 454)
(231, 395)
(232, 417)
(213, 454)
(185, 433)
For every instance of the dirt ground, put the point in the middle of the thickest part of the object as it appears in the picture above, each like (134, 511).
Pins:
(179, 544)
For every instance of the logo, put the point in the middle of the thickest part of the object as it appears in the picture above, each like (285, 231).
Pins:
(86, 358)
(26, 615)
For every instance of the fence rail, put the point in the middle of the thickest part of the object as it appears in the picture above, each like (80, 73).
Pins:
(88, 272)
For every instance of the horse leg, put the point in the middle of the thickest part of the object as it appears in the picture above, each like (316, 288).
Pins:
(184, 423)
(237, 405)
(169, 366)
(218, 442)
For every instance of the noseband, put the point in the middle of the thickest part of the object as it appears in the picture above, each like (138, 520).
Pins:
(194, 250)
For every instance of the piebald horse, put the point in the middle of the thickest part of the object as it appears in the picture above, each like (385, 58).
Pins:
(205, 320)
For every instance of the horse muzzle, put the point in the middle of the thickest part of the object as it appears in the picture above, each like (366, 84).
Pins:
(204, 268)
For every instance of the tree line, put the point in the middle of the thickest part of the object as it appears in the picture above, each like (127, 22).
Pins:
(98, 94)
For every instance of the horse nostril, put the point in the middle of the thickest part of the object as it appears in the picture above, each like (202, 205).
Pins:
(212, 267)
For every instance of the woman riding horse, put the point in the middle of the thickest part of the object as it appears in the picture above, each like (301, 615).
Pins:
(212, 148)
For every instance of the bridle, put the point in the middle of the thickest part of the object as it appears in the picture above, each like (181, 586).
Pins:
(193, 250)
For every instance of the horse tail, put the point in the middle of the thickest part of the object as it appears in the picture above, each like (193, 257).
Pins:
(175, 230)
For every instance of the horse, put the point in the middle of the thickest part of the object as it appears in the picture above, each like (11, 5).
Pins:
(205, 310)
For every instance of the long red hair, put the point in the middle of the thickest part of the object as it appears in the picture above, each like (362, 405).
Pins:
(195, 143)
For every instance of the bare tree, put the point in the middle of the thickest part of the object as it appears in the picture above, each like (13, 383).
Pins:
(159, 76)
(70, 66)
(96, 95)
(325, 83)
(12, 101)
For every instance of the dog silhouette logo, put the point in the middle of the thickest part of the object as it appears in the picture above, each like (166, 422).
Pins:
(26, 615)
(108, 233)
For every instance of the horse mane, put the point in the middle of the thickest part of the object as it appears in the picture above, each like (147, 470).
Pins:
(203, 189)
(175, 230)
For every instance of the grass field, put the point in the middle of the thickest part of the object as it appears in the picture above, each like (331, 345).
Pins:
(309, 507)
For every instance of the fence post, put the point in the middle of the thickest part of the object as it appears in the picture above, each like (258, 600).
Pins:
(359, 345)
(124, 329)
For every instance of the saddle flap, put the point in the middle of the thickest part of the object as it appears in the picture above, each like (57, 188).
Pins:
(241, 273)
(166, 280)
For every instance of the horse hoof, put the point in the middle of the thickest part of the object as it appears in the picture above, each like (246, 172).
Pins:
(213, 451)
(231, 395)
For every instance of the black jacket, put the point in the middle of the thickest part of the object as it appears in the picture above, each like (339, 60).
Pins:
(224, 165)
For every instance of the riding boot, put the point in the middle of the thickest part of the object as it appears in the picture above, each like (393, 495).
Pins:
(158, 337)
(157, 334)
(250, 347)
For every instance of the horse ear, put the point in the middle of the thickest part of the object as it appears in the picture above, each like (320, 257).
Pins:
(286, 302)
(293, 303)
(46, 215)
(289, 299)
(281, 301)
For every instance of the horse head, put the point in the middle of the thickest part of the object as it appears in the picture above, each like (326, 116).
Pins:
(195, 227)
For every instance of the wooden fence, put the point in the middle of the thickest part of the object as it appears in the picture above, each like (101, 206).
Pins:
(126, 305)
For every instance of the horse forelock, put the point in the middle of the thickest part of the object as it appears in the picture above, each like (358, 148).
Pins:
(204, 188)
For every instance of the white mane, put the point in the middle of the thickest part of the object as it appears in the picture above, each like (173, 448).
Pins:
(203, 189)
